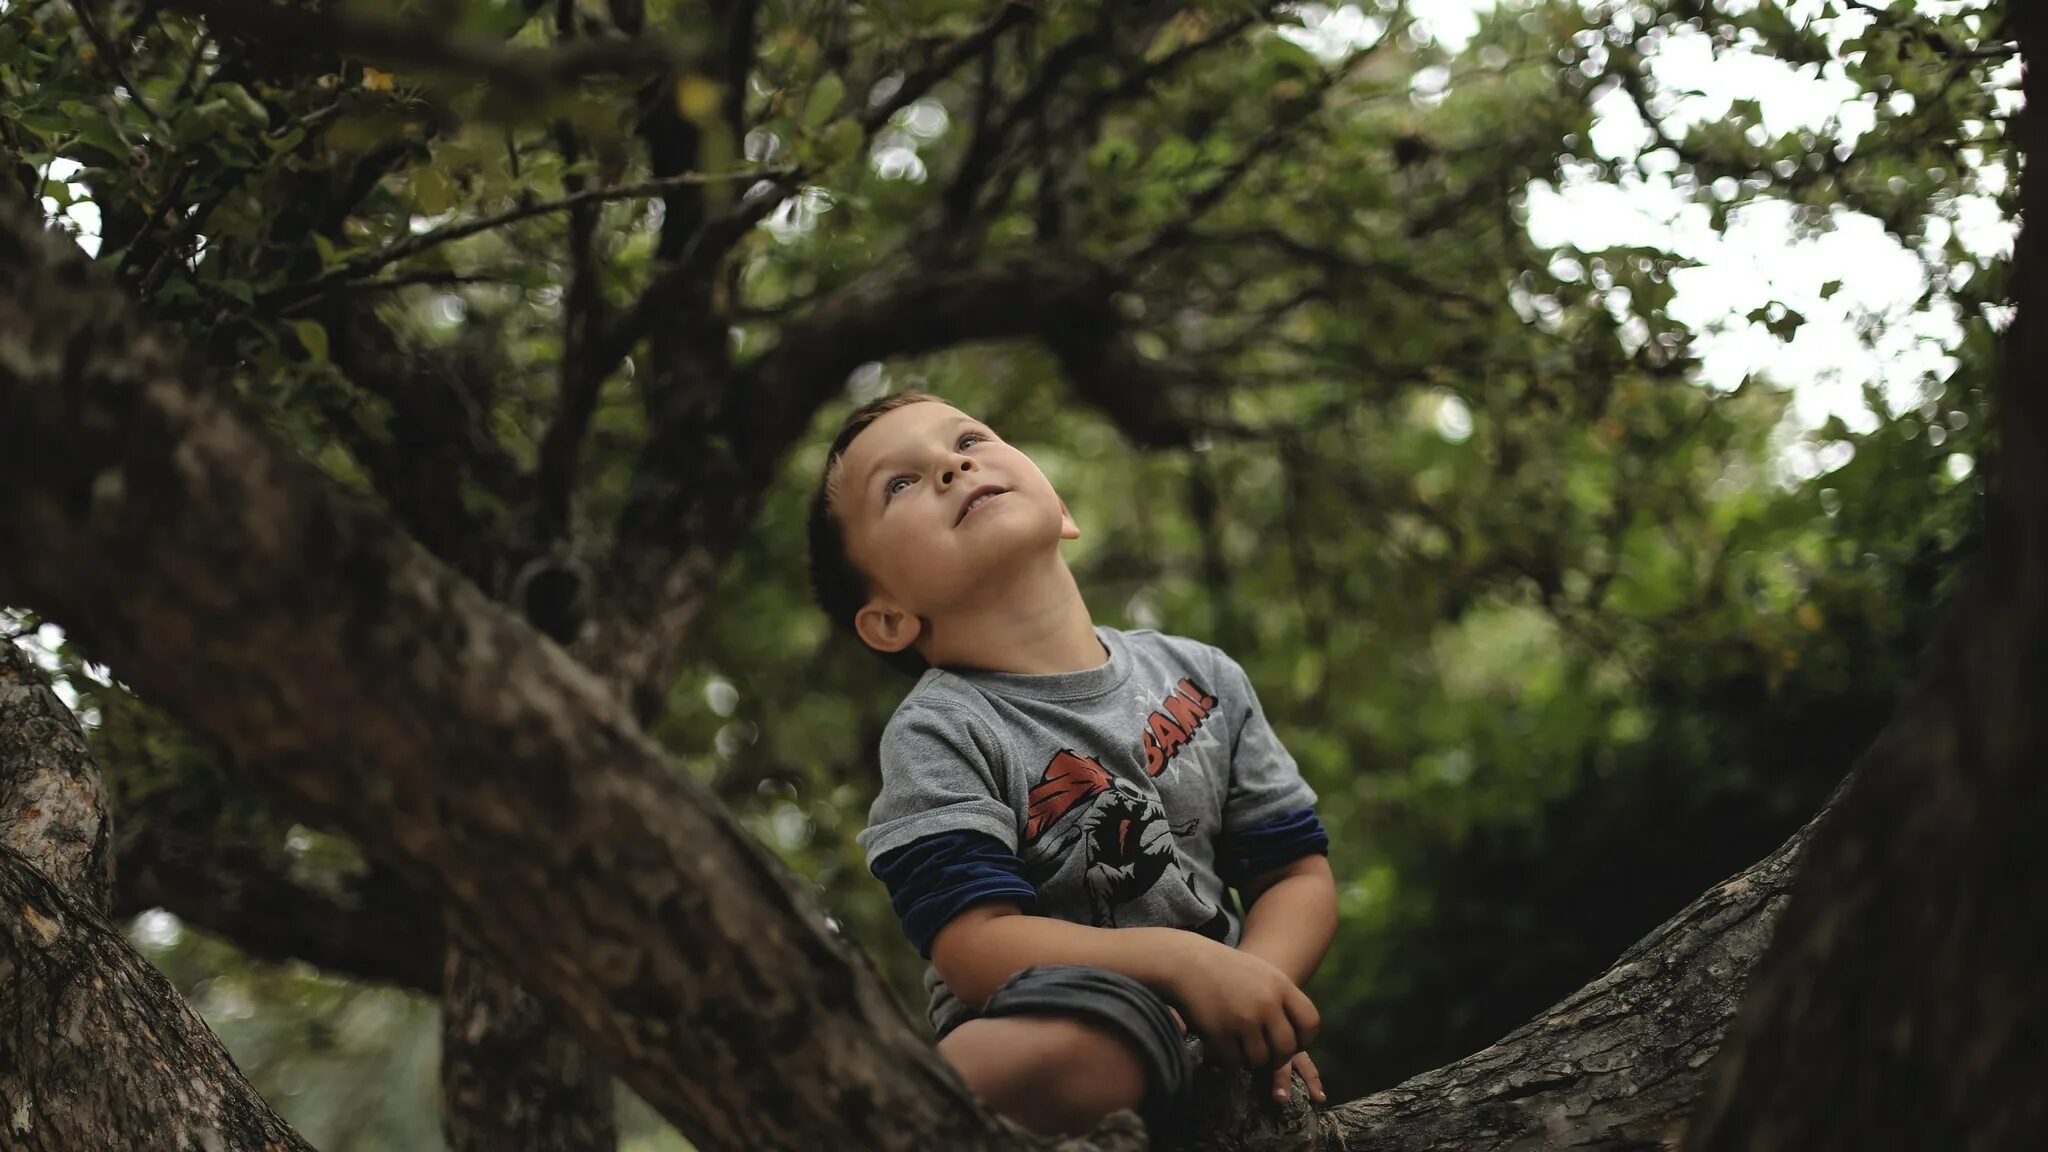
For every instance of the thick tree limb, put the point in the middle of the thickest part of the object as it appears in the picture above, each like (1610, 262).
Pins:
(701, 474)
(511, 1077)
(97, 1050)
(1616, 1065)
(393, 701)
(375, 928)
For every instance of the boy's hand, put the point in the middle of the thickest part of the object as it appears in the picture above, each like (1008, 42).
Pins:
(1283, 1076)
(1248, 1011)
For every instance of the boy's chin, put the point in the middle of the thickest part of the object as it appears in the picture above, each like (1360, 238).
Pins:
(1007, 550)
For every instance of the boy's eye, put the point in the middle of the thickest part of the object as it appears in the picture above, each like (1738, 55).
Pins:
(967, 438)
(895, 485)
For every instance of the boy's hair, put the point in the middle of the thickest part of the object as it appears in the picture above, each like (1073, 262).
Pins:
(839, 586)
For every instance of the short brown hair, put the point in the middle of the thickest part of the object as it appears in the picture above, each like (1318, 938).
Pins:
(838, 584)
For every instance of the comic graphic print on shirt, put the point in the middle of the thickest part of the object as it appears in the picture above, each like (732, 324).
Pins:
(1126, 839)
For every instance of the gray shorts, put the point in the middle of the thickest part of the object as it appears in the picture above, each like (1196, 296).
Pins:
(1122, 1005)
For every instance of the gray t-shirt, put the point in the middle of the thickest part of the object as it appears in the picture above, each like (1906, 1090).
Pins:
(1111, 785)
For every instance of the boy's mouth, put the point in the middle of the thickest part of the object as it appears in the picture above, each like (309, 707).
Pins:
(976, 499)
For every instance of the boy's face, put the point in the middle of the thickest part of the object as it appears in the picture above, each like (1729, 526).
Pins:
(933, 506)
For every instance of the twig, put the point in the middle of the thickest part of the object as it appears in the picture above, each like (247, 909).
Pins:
(410, 280)
(706, 246)
(953, 56)
(105, 48)
(199, 47)
(414, 245)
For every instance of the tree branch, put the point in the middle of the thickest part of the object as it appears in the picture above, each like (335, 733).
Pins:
(1616, 1064)
(362, 266)
(392, 701)
(948, 60)
(100, 1051)
(108, 53)
(518, 73)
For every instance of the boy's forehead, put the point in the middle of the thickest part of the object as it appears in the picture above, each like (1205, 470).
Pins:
(892, 430)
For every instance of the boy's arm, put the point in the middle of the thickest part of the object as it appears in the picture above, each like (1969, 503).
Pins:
(1249, 1010)
(1273, 849)
(1292, 916)
(989, 943)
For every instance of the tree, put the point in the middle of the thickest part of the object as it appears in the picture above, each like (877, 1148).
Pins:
(392, 700)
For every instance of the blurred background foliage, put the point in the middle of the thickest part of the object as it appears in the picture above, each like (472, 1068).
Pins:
(1555, 629)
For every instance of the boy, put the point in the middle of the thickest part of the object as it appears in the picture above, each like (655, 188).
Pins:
(1063, 805)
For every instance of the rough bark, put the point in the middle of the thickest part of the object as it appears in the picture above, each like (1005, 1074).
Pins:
(53, 805)
(1902, 1006)
(97, 1050)
(1616, 1065)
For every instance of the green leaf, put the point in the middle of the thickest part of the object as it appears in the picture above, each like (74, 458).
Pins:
(314, 337)
(246, 107)
(330, 256)
(824, 100)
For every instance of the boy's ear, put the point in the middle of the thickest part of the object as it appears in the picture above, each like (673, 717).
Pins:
(885, 627)
(1068, 529)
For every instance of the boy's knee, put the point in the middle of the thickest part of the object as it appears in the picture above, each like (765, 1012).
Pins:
(1051, 1073)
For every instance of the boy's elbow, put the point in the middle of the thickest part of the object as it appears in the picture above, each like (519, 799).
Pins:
(965, 961)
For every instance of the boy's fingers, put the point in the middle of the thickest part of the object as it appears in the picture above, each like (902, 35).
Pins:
(1307, 1068)
(1283, 1083)
(1253, 1046)
(1280, 1042)
(1301, 1012)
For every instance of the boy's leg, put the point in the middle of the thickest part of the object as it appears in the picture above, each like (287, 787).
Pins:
(1056, 1075)
(1059, 1047)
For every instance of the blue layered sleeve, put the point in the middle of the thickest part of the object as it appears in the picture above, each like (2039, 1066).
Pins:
(934, 879)
(1245, 854)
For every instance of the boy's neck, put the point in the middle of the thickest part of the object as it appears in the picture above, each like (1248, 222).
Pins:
(1035, 624)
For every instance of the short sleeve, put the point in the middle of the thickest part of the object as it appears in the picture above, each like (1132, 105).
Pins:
(1265, 783)
(939, 774)
(932, 880)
